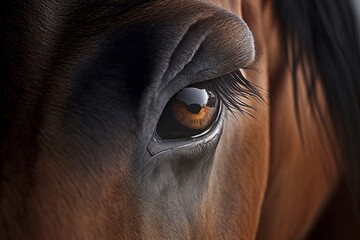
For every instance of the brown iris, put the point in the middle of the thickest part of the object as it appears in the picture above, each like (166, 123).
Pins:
(190, 112)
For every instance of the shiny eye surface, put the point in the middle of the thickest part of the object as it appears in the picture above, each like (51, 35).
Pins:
(190, 112)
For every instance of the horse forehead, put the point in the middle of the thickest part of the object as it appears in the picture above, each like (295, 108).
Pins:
(51, 20)
(231, 5)
(52, 10)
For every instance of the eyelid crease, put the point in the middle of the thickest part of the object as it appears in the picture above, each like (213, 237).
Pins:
(232, 89)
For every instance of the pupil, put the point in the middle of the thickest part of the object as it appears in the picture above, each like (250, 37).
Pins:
(194, 108)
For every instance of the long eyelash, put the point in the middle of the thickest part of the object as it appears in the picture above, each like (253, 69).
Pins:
(232, 89)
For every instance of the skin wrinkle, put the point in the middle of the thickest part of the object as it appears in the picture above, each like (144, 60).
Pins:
(217, 20)
(170, 74)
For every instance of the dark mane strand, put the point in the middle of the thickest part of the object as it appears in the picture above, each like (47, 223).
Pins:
(324, 34)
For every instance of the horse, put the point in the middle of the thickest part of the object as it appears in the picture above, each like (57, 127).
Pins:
(179, 119)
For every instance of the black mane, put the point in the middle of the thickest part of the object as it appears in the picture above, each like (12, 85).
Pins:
(324, 33)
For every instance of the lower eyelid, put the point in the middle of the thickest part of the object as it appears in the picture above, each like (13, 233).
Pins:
(190, 150)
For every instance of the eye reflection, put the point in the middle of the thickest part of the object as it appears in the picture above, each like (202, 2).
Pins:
(190, 112)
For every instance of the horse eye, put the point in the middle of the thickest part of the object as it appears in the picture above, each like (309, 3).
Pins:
(190, 112)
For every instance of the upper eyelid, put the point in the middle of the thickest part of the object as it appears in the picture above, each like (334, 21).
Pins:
(191, 35)
(208, 58)
(221, 51)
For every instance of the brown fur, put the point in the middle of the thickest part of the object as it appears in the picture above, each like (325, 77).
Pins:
(265, 182)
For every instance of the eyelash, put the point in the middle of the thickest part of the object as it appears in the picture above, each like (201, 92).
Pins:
(231, 89)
